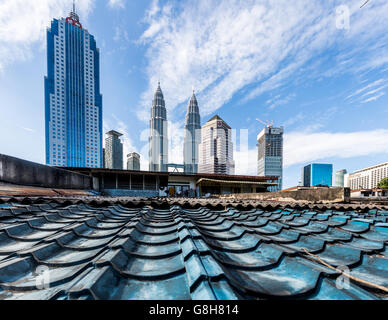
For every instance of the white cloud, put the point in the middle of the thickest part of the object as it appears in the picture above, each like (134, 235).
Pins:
(28, 129)
(301, 147)
(23, 23)
(374, 98)
(360, 93)
(117, 4)
(221, 47)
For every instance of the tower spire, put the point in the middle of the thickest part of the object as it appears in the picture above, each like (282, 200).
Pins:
(74, 6)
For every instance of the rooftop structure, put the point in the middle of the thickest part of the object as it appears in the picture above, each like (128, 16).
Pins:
(129, 249)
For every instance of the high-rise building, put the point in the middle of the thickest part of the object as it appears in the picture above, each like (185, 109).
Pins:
(216, 148)
(340, 178)
(270, 154)
(158, 141)
(133, 161)
(192, 136)
(368, 178)
(73, 103)
(113, 150)
(317, 174)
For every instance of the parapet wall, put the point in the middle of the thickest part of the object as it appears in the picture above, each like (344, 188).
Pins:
(22, 172)
(311, 195)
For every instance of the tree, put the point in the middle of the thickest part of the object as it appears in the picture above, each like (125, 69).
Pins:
(383, 184)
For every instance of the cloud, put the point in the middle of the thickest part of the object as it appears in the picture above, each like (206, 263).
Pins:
(278, 101)
(374, 98)
(23, 23)
(227, 47)
(301, 147)
(120, 34)
(28, 129)
(360, 93)
(116, 4)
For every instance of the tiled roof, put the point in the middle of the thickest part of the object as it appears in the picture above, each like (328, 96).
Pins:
(104, 248)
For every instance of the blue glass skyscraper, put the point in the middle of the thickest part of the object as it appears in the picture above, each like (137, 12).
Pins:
(317, 174)
(73, 103)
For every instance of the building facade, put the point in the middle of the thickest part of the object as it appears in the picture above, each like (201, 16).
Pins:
(192, 137)
(158, 140)
(113, 150)
(216, 148)
(317, 174)
(133, 161)
(73, 102)
(368, 178)
(270, 154)
(340, 178)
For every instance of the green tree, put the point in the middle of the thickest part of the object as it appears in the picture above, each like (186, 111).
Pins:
(383, 184)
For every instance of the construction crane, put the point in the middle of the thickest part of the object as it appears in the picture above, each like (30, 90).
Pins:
(364, 4)
(268, 124)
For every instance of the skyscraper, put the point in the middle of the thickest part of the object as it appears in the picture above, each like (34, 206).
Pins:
(270, 154)
(133, 161)
(192, 136)
(158, 141)
(113, 150)
(216, 148)
(317, 174)
(73, 103)
(340, 178)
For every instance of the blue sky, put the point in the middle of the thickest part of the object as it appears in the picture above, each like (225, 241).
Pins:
(307, 65)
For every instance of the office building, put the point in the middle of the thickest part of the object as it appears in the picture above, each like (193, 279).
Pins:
(317, 174)
(368, 178)
(133, 161)
(113, 150)
(216, 148)
(270, 154)
(192, 136)
(340, 178)
(73, 103)
(158, 140)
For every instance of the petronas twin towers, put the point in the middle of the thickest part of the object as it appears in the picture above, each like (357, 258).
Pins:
(158, 140)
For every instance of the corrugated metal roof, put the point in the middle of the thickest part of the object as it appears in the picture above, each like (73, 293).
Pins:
(111, 248)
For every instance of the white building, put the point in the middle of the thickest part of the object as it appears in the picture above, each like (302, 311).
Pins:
(216, 148)
(368, 178)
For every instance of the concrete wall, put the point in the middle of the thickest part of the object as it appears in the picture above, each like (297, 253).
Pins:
(130, 193)
(311, 195)
(22, 172)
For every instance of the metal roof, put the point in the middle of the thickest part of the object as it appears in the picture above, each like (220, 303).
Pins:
(126, 248)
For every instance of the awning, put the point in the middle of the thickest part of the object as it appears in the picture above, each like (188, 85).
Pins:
(263, 183)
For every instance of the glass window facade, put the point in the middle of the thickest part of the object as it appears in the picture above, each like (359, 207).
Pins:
(73, 103)
(317, 174)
